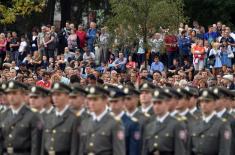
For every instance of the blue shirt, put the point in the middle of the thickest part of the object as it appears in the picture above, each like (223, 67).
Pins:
(157, 66)
(211, 36)
(184, 44)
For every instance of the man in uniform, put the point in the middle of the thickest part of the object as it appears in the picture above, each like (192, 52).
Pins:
(146, 90)
(20, 128)
(165, 135)
(192, 104)
(101, 134)
(60, 134)
(131, 104)
(131, 125)
(36, 101)
(77, 99)
(211, 135)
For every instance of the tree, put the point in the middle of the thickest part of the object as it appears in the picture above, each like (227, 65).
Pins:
(10, 9)
(207, 12)
(133, 19)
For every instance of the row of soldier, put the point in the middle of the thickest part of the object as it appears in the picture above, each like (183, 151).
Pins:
(107, 120)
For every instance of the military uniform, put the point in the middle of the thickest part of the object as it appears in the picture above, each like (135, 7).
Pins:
(131, 125)
(60, 133)
(147, 87)
(20, 130)
(103, 136)
(211, 135)
(166, 136)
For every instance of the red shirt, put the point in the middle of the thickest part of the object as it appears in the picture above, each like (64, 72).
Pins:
(82, 38)
(44, 84)
(171, 39)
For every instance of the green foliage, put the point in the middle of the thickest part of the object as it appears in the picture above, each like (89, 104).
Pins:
(11, 9)
(133, 19)
(207, 12)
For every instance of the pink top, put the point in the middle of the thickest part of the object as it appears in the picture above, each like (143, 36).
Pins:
(3, 44)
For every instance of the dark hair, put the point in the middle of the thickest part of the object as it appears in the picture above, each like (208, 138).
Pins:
(74, 79)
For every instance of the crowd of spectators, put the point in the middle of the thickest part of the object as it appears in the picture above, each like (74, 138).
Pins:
(192, 56)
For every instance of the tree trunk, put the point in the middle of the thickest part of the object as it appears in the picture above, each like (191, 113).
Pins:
(65, 11)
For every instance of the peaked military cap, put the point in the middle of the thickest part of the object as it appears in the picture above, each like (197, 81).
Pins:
(207, 95)
(15, 85)
(130, 91)
(184, 92)
(222, 92)
(77, 89)
(173, 92)
(147, 86)
(115, 94)
(96, 91)
(39, 91)
(192, 91)
(160, 95)
(60, 87)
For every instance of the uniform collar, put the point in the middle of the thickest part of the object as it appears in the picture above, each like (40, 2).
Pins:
(173, 113)
(81, 111)
(42, 111)
(16, 111)
(49, 110)
(184, 112)
(133, 113)
(62, 111)
(193, 110)
(208, 118)
(220, 113)
(120, 115)
(145, 110)
(161, 119)
(98, 118)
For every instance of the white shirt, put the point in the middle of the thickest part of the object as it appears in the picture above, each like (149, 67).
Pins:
(119, 116)
(193, 110)
(22, 47)
(49, 110)
(161, 119)
(16, 111)
(145, 110)
(132, 114)
(62, 111)
(184, 112)
(42, 111)
(208, 118)
(98, 118)
(220, 113)
(173, 113)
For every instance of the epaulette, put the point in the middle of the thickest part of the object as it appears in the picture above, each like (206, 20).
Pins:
(183, 118)
(33, 110)
(78, 114)
(146, 115)
(117, 119)
(178, 118)
(134, 119)
(224, 119)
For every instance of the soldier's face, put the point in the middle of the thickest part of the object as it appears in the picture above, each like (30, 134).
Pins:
(192, 102)
(160, 108)
(172, 104)
(60, 99)
(15, 98)
(76, 101)
(36, 102)
(181, 104)
(96, 104)
(220, 104)
(207, 107)
(131, 102)
(145, 97)
(117, 106)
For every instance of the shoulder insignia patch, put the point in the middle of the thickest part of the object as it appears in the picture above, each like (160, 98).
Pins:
(146, 115)
(134, 119)
(34, 110)
(224, 119)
